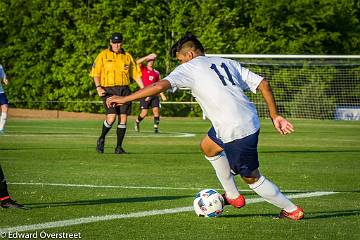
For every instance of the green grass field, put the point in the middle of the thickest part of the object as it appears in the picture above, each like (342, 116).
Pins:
(52, 167)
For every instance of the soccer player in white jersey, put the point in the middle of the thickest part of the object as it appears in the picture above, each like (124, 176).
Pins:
(3, 100)
(218, 85)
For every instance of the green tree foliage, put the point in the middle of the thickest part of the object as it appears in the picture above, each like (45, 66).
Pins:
(47, 47)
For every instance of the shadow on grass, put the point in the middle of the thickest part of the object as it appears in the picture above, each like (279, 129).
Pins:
(104, 201)
(308, 215)
(332, 214)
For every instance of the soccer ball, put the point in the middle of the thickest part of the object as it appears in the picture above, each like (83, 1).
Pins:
(208, 203)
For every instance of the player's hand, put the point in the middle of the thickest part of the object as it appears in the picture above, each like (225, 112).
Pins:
(6, 81)
(115, 101)
(151, 56)
(147, 99)
(282, 125)
(101, 92)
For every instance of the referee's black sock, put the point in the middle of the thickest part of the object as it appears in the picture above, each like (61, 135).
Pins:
(120, 132)
(3, 185)
(105, 129)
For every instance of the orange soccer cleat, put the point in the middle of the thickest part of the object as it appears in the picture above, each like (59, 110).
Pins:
(295, 215)
(238, 202)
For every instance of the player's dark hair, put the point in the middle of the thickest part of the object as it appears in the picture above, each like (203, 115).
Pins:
(188, 37)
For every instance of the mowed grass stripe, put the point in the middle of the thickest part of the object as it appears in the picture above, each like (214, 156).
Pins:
(132, 187)
(92, 219)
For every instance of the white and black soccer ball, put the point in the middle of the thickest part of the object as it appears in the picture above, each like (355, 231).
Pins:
(208, 203)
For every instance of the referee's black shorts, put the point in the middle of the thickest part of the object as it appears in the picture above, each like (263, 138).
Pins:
(118, 91)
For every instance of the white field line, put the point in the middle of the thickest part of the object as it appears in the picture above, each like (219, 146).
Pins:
(92, 219)
(129, 187)
(146, 135)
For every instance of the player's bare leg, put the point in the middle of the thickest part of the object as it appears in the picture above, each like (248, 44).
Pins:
(140, 117)
(217, 157)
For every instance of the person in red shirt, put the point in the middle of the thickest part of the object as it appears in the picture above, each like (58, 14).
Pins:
(149, 76)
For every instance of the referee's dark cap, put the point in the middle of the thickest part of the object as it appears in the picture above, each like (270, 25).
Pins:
(116, 38)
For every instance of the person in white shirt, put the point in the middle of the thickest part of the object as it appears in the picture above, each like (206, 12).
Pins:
(3, 101)
(218, 85)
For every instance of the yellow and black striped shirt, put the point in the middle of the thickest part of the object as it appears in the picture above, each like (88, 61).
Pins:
(115, 69)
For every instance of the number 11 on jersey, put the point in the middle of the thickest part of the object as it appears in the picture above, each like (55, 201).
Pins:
(221, 77)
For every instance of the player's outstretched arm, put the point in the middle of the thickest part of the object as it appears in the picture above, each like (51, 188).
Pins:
(150, 90)
(281, 124)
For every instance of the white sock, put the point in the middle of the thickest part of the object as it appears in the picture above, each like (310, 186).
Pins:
(222, 169)
(271, 193)
(107, 125)
(3, 120)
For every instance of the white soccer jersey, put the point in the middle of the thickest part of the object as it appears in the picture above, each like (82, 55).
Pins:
(218, 85)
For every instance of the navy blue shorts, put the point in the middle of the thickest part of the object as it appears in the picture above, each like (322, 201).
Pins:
(153, 102)
(241, 153)
(3, 99)
(212, 136)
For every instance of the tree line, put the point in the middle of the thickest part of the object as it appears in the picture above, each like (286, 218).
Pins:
(47, 47)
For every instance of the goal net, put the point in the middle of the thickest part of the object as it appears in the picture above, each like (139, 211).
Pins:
(308, 86)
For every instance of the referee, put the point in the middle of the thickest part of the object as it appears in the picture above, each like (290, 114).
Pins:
(112, 70)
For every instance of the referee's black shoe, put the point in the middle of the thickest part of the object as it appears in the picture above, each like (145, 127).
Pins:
(119, 150)
(100, 145)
